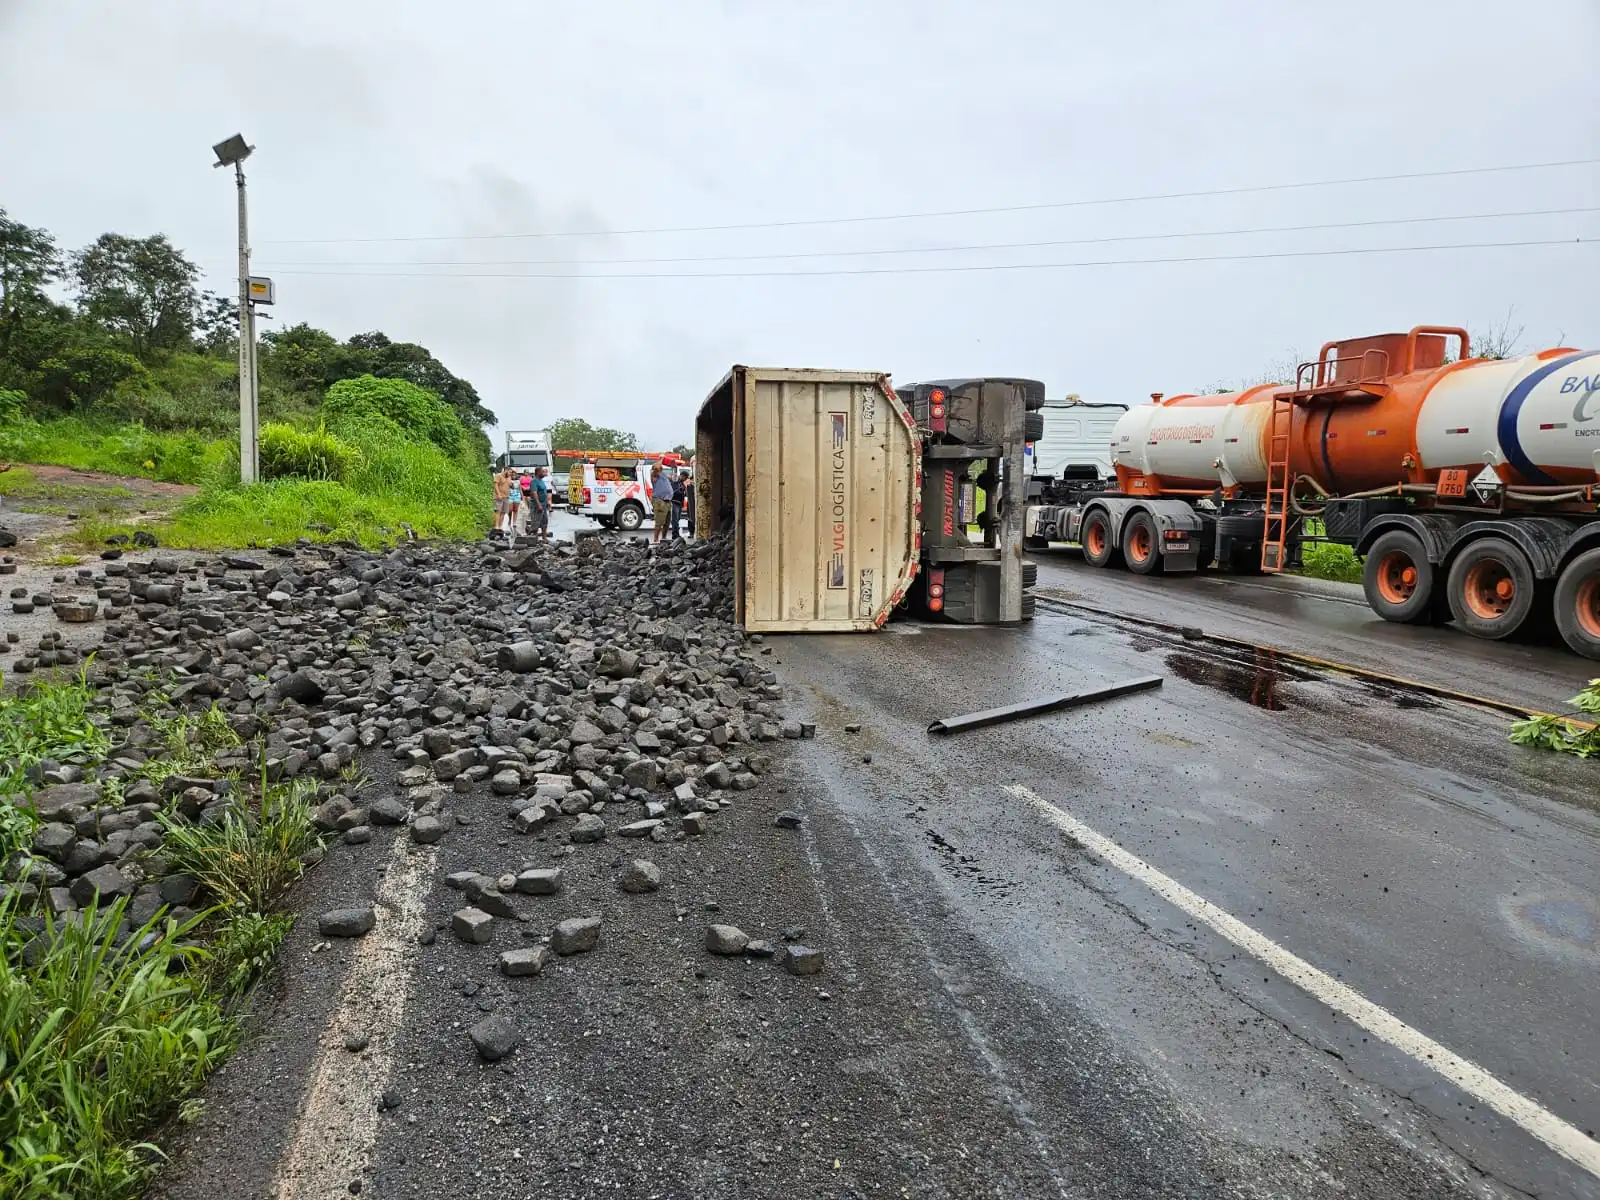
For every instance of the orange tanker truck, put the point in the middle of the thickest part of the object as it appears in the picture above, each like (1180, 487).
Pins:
(1471, 486)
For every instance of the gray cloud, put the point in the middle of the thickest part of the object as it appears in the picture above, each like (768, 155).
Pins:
(395, 119)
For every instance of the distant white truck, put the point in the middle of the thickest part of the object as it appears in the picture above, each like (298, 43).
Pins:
(525, 450)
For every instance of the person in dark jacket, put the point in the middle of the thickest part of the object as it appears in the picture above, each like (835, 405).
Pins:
(679, 494)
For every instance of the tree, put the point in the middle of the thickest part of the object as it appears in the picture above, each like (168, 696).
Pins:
(574, 433)
(302, 358)
(140, 288)
(29, 261)
(80, 379)
(1497, 341)
(216, 325)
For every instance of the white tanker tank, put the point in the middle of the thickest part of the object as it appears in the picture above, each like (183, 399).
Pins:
(1375, 412)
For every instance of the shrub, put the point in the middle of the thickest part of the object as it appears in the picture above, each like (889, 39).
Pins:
(1562, 734)
(417, 411)
(11, 405)
(289, 453)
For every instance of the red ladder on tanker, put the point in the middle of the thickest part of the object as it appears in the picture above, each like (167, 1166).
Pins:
(1329, 380)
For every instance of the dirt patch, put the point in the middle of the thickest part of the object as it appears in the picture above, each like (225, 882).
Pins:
(55, 512)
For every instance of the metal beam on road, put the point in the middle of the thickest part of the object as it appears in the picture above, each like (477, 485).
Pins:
(1034, 708)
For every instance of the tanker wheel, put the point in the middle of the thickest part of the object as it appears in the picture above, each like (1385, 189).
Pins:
(1491, 588)
(1398, 579)
(1577, 604)
(1098, 548)
(1141, 544)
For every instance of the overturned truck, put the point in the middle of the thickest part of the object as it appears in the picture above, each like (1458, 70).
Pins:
(848, 501)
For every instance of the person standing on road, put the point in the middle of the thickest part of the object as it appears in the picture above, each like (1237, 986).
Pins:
(502, 494)
(679, 492)
(688, 500)
(539, 505)
(514, 507)
(660, 502)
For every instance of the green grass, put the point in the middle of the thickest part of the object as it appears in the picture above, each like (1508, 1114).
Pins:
(128, 449)
(49, 718)
(189, 744)
(249, 860)
(98, 1041)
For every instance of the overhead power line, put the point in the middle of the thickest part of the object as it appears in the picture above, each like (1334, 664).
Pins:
(1109, 262)
(951, 212)
(1127, 237)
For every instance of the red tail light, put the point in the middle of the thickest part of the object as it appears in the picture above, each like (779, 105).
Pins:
(936, 399)
(586, 498)
(935, 589)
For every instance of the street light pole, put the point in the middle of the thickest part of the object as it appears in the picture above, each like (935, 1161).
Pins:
(232, 153)
(248, 451)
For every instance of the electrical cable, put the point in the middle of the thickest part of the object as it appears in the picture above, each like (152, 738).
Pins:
(1123, 262)
(1094, 241)
(952, 212)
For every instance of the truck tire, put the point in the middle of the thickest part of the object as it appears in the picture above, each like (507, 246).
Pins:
(1141, 544)
(1033, 427)
(629, 516)
(1577, 604)
(1098, 548)
(1399, 579)
(1491, 588)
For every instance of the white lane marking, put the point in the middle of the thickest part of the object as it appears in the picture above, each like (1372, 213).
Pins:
(337, 1125)
(1566, 1140)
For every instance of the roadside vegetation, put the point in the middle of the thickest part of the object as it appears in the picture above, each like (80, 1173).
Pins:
(107, 1026)
(367, 439)
(1565, 735)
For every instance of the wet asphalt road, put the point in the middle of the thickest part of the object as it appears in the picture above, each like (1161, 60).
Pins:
(1398, 843)
(1328, 620)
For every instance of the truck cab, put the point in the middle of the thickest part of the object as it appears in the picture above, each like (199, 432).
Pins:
(525, 450)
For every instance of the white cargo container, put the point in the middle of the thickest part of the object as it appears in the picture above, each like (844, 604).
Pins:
(818, 475)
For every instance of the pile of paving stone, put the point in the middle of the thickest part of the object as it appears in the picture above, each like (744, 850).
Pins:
(585, 691)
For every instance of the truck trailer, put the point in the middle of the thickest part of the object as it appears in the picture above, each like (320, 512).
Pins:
(1471, 486)
(848, 501)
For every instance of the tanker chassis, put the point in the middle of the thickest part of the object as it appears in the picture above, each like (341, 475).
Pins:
(1470, 486)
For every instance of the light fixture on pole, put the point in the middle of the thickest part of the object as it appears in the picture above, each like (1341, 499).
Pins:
(232, 153)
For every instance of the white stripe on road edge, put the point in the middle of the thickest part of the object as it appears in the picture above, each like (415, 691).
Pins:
(1566, 1140)
(337, 1126)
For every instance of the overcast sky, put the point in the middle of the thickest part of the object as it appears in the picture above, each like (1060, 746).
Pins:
(413, 119)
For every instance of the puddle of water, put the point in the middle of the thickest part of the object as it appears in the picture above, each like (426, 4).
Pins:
(1558, 923)
(1255, 678)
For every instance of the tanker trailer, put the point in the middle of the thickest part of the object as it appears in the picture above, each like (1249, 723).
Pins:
(1469, 485)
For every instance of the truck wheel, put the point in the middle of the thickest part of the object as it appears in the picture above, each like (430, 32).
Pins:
(1398, 578)
(1577, 604)
(1141, 544)
(1491, 588)
(1098, 548)
(629, 516)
